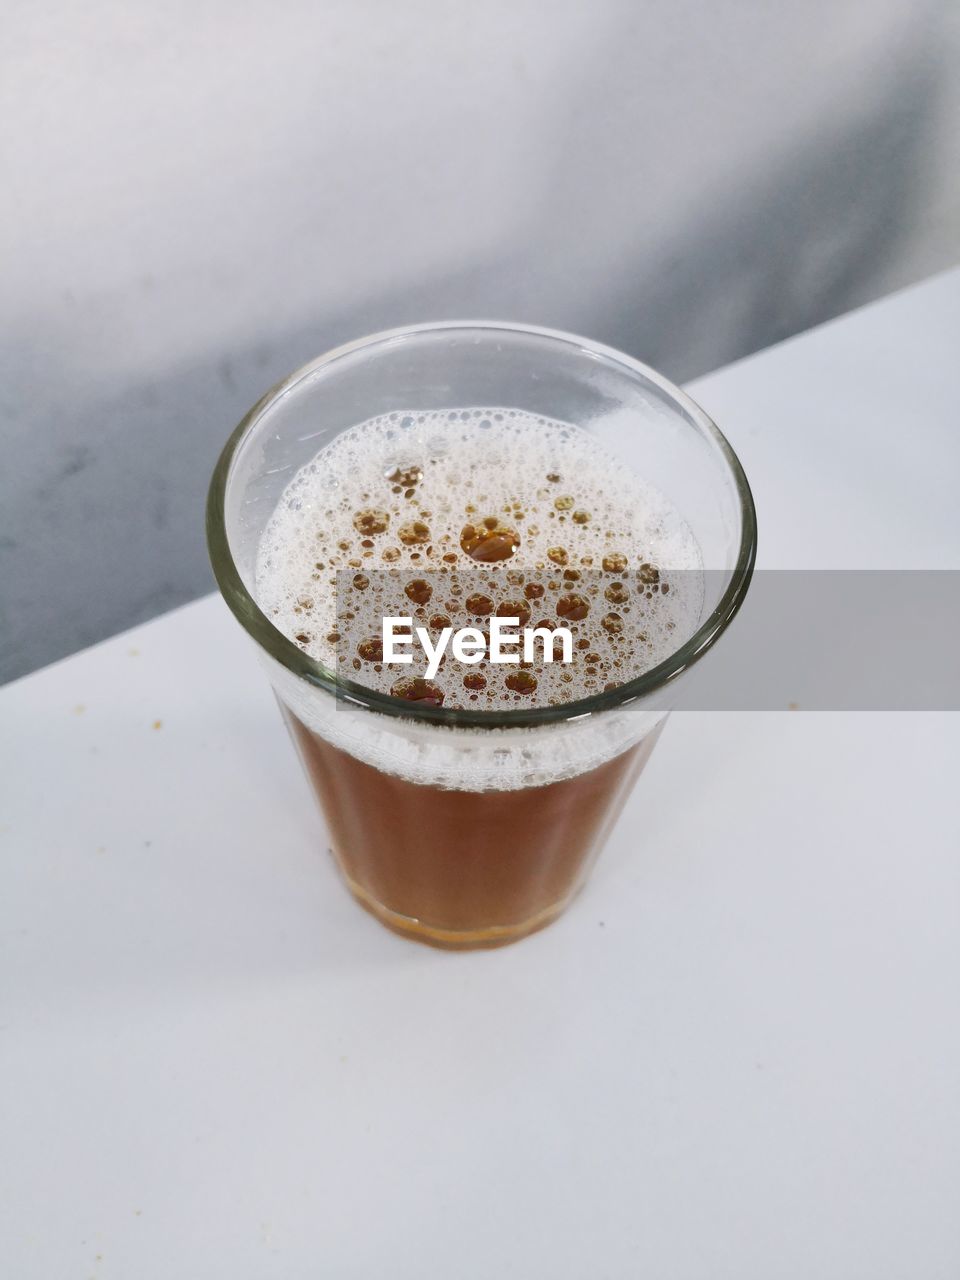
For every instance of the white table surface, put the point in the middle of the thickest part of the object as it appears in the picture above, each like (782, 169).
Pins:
(737, 1056)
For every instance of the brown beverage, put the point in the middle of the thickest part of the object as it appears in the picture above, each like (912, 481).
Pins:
(473, 837)
(464, 868)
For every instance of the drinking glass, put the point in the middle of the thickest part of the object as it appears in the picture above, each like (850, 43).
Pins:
(466, 827)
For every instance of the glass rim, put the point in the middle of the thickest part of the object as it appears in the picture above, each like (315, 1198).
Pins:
(301, 665)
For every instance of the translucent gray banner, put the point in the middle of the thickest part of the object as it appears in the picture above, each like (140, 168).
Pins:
(808, 640)
(836, 640)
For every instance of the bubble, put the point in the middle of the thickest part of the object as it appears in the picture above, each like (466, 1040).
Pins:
(416, 689)
(558, 555)
(368, 522)
(414, 534)
(479, 605)
(474, 680)
(573, 607)
(489, 541)
(614, 562)
(563, 503)
(514, 609)
(419, 591)
(523, 682)
(371, 650)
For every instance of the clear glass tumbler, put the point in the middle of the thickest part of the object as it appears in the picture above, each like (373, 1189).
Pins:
(473, 828)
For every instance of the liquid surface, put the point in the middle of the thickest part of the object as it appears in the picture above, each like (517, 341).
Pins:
(452, 516)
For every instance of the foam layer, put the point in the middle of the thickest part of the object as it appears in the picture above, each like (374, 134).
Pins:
(446, 516)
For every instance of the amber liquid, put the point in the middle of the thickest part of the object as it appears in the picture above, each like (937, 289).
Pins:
(464, 869)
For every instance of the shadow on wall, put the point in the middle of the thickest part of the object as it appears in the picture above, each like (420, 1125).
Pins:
(801, 245)
(112, 527)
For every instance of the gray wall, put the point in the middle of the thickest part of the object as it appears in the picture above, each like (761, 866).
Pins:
(199, 197)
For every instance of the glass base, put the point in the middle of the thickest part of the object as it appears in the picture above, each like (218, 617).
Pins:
(455, 939)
